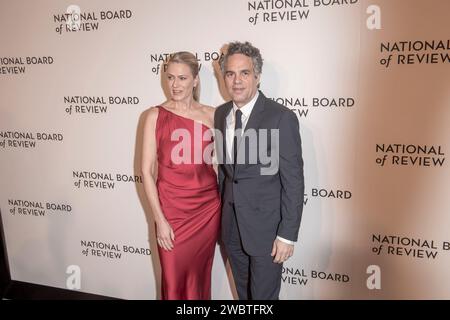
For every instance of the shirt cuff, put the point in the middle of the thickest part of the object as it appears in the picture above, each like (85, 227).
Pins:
(285, 240)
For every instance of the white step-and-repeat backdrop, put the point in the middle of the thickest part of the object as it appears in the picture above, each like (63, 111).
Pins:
(368, 80)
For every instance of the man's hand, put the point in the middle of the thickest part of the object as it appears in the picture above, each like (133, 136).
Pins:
(281, 251)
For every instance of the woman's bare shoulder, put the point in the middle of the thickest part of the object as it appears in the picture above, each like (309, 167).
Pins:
(151, 114)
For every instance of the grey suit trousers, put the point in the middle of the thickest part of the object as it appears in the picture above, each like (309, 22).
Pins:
(265, 275)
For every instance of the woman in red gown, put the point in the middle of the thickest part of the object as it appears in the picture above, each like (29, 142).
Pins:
(181, 184)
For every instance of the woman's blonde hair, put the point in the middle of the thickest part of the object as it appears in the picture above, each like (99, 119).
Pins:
(190, 60)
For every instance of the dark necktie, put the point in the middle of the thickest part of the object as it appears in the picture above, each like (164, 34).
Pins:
(237, 135)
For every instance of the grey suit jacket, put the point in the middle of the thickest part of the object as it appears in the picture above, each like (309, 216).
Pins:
(265, 205)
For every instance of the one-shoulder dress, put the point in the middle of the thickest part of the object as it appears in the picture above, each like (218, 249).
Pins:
(189, 198)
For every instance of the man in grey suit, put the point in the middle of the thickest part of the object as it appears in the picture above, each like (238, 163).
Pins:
(260, 177)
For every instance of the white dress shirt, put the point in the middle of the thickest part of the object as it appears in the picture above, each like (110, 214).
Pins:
(230, 123)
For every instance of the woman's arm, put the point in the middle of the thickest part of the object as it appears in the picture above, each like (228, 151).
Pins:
(164, 233)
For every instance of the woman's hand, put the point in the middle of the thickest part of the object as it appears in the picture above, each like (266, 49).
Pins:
(165, 235)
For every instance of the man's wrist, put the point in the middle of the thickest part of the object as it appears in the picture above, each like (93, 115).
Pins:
(286, 240)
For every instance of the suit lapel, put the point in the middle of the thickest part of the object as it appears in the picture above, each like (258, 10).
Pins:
(257, 113)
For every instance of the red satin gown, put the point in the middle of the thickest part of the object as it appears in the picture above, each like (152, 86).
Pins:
(189, 199)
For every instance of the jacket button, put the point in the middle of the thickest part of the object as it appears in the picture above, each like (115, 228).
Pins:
(235, 181)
